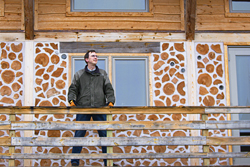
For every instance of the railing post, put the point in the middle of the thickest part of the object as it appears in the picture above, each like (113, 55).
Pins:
(109, 148)
(206, 161)
(12, 133)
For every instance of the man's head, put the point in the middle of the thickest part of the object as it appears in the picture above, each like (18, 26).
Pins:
(91, 57)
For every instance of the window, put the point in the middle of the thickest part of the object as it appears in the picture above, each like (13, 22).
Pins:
(239, 6)
(130, 81)
(109, 8)
(128, 74)
(239, 79)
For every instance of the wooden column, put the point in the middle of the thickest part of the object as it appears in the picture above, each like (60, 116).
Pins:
(12, 117)
(190, 19)
(29, 19)
(206, 161)
(109, 148)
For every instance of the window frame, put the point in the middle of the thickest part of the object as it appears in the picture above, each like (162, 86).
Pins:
(108, 14)
(228, 12)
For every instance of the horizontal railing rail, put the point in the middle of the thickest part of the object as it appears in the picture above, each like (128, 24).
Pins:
(204, 125)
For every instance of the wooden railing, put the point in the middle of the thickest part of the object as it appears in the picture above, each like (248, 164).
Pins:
(204, 125)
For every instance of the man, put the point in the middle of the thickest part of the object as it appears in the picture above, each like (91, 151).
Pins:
(90, 88)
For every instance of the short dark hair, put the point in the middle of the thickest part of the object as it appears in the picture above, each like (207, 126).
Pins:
(86, 56)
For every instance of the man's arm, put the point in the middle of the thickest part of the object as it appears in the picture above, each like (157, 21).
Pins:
(73, 91)
(108, 90)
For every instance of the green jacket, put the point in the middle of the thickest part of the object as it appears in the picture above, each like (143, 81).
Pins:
(91, 88)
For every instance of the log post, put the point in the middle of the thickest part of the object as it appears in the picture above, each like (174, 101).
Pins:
(12, 134)
(206, 161)
(109, 148)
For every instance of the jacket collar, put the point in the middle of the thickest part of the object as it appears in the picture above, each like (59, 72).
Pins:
(96, 72)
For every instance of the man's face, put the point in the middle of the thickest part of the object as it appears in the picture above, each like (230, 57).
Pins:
(93, 59)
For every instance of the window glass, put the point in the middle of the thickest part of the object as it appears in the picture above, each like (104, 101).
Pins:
(130, 81)
(79, 64)
(110, 5)
(239, 6)
(243, 83)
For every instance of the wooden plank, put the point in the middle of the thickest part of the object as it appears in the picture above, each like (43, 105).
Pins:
(127, 110)
(110, 47)
(223, 26)
(5, 141)
(210, 10)
(190, 19)
(107, 25)
(156, 18)
(13, 8)
(125, 141)
(1, 8)
(230, 110)
(29, 19)
(117, 125)
(220, 19)
(164, 9)
(228, 140)
(211, 2)
(168, 2)
(206, 161)
(110, 36)
(182, 8)
(51, 8)
(12, 37)
(125, 155)
(10, 25)
(111, 141)
(109, 134)
(52, 2)
(104, 110)
(12, 133)
(22, 18)
(13, 1)
(11, 17)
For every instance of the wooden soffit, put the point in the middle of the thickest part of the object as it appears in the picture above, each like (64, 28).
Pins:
(190, 19)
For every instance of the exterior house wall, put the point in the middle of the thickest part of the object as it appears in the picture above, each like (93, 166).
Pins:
(170, 88)
(183, 72)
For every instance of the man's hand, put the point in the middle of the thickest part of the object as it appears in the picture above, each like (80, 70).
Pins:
(71, 103)
(111, 104)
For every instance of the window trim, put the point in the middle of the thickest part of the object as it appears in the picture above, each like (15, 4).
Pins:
(108, 14)
(229, 14)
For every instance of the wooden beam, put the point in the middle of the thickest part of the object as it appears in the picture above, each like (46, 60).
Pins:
(122, 141)
(125, 155)
(110, 47)
(118, 125)
(190, 19)
(29, 19)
